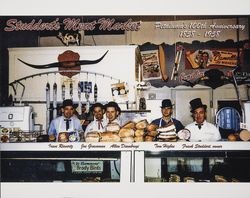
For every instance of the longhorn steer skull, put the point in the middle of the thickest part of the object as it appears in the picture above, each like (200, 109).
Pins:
(68, 60)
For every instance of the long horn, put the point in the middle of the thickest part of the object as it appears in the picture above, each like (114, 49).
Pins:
(62, 64)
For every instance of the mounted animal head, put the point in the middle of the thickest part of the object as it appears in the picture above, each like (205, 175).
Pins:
(68, 60)
(69, 38)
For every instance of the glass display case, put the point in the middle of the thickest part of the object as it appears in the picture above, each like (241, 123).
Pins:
(113, 168)
(196, 166)
(61, 166)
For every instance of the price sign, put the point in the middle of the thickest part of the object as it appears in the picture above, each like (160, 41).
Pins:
(86, 166)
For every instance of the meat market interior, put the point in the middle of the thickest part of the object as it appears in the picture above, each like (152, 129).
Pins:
(152, 99)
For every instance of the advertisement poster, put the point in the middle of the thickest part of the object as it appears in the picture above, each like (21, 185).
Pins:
(138, 54)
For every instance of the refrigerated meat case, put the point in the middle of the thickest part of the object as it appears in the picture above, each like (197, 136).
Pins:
(70, 166)
(193, 166)
(193, 162)
(38, 162)
(126, 162)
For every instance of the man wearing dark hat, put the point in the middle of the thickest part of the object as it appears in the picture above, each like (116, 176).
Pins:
(200, 129)
(98, 124)
(166, 119)
(65, 128)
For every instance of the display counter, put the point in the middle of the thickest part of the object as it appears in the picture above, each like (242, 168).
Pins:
(120, 146)
(113, 168)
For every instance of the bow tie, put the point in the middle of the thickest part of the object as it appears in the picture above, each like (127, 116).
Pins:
(67, 123)
(199, 125)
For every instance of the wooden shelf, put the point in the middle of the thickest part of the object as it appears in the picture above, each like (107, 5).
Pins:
(136, 111)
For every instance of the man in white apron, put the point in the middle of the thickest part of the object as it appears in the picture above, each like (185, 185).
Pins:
(99, 123)
(200, 129)
(66, 128)
(166, 119)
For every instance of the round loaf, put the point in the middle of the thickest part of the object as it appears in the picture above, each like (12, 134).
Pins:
(63, 137)
(139, 132)
(141, 124)
(139, 139)
(113, 127)
(220, 178)
(4, 138)
(152, 133)
(93, 134)
(232, 137)
(245, 135)
(110, 136)
(92, 137)
(52, 138)
(128, 139)
(151, 127)
(129, 125)
(148, 138)
(126, 132)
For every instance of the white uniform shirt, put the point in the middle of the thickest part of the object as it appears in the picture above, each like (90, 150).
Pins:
(208, 132)
(59, 125)
(116, 121)
(96, 126)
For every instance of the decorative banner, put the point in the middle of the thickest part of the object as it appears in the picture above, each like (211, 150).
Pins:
(186, 63)
(119, 92)
(224, 58)
(151, 65)
(204, 59)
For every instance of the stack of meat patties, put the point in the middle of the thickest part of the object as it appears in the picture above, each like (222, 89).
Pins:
(167, 134)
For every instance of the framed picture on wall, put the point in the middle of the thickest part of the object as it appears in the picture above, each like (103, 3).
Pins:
(119, 92)
(151, 65)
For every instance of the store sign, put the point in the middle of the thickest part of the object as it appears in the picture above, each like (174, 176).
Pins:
(86, 166)
(205, 58)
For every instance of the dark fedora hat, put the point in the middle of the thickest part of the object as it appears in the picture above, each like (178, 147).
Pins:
(196, 103)
(68, 102)
(166, 103)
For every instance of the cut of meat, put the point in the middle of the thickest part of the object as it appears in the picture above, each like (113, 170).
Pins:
(162, 60)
